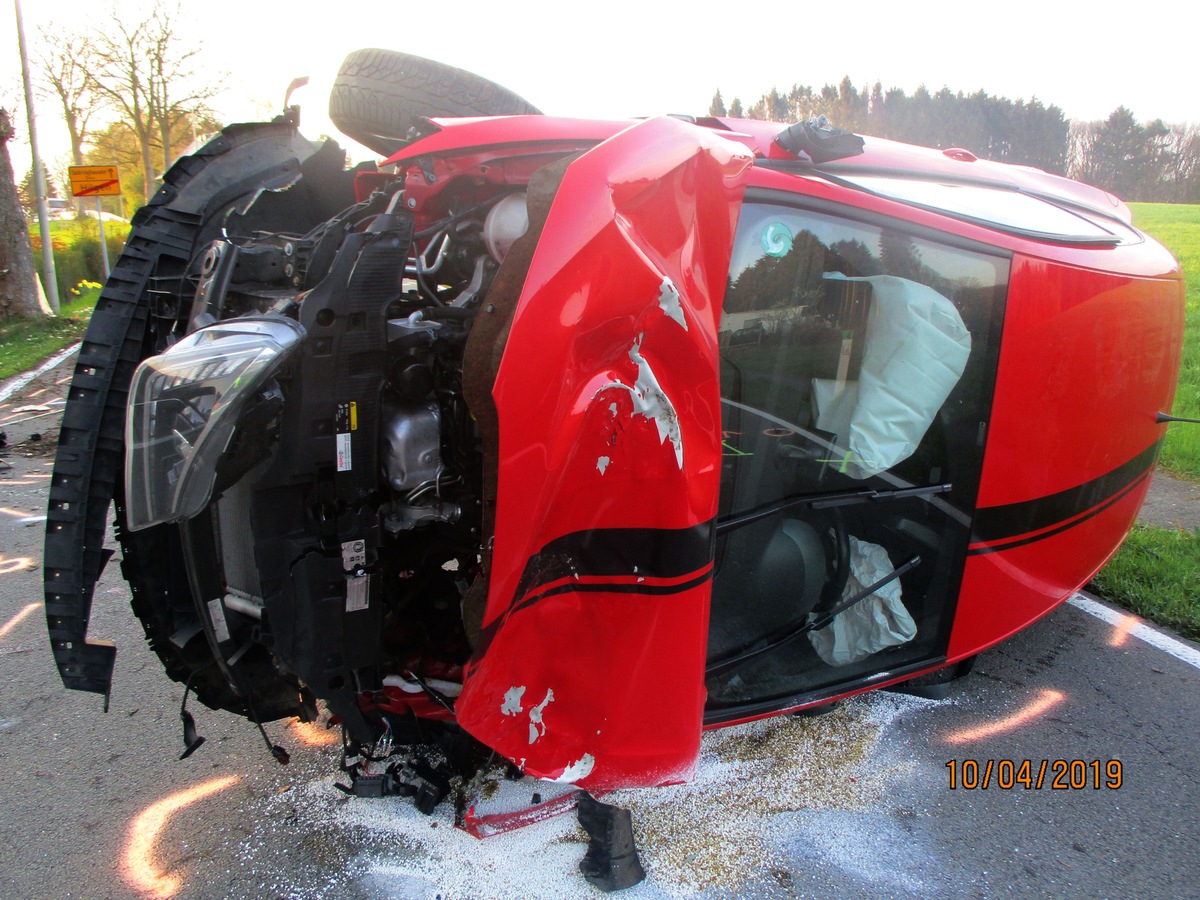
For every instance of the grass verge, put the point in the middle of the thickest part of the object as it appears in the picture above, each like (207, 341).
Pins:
(1155, 575)
(26, 342)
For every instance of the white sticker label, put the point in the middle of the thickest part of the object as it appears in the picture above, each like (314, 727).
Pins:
(354, 554)
(216, 613)
(344, 463)
(358, 593)
(843, 370)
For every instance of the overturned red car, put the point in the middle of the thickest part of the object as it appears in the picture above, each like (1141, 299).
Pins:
(567, 439)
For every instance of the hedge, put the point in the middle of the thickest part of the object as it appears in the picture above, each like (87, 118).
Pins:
(77, 251)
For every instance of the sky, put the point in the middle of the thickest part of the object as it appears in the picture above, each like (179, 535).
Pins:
(620, 58)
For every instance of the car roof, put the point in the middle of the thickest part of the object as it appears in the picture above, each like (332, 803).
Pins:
(879, 157)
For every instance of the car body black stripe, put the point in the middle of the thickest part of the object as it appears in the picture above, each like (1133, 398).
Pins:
(658, 553)
(1030, 520)
(616, 587)
(1029, 539)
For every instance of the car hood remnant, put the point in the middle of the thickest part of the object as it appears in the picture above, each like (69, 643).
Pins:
(550, 440)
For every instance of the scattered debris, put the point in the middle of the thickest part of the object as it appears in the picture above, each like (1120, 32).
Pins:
(757, 789)
(490, 824)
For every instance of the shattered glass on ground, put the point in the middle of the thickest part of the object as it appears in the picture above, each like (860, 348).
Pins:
(766, 799)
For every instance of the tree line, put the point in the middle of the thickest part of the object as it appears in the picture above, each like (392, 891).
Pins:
(1135, 161)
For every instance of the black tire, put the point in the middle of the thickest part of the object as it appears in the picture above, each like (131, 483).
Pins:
(379, 95)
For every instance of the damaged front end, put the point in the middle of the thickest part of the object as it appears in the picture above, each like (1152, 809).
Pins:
(347, 477)
(589, 665)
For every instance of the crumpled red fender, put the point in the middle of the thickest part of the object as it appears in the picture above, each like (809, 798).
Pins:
(590, 665)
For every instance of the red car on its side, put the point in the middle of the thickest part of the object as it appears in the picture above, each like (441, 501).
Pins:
(568, 439)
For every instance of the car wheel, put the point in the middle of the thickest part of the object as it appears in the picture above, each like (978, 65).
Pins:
(380, 95)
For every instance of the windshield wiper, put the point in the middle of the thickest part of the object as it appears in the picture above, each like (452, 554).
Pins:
(827, 500)
(727, 665)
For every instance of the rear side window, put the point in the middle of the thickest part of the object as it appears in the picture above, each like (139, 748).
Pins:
(996, 207)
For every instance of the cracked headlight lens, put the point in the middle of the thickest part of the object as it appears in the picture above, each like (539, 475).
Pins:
(183, 410)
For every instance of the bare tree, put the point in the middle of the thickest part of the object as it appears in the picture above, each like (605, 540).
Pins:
(64, 74)
(18, 290)
(147, 75)
(174, 92)
(1082, 162)
(1186, 172)
(121, 77)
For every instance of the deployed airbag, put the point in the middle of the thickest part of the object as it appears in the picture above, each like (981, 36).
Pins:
(916, 349)
(871, 624)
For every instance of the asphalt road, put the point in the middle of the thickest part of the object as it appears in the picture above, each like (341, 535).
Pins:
(79, 786)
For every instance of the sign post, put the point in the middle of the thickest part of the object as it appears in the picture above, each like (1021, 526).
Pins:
(96, 181)
(49, 278)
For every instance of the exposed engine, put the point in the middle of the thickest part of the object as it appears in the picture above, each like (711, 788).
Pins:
(339, 531)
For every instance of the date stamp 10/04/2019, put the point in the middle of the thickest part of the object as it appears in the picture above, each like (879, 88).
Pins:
(1035, 775)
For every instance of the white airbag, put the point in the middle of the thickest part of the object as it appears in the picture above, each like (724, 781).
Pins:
(916, 349)
(871, 624)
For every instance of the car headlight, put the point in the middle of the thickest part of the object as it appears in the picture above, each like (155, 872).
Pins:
(184, 406)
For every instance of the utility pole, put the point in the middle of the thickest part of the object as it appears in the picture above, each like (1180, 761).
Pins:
(50, 279)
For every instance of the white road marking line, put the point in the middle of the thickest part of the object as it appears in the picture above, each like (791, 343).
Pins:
(1181, 650)
(17, 383)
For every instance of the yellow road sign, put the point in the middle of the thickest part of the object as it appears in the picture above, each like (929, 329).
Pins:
(94, 181)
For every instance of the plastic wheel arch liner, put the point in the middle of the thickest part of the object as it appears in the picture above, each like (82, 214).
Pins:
(589, 668)
(186, 212)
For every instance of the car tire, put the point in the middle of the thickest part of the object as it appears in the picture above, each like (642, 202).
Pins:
(379, 96)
